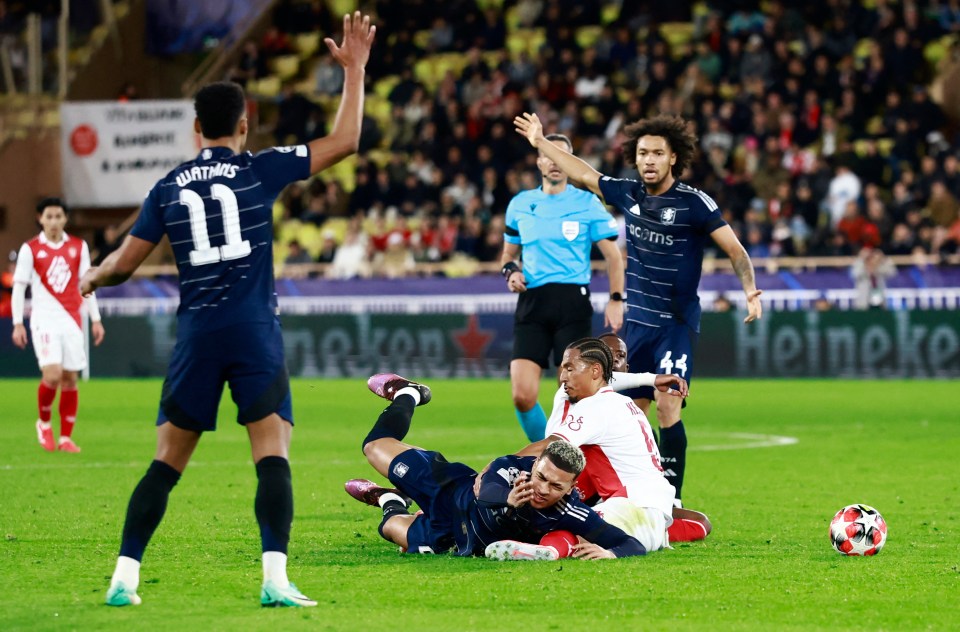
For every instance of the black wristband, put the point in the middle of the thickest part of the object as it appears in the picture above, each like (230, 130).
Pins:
(509, 268)
(616, 296)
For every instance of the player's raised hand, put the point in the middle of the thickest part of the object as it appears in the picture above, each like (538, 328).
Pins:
(358, 34)
(529, 126)
(665, 384)
(754, 308)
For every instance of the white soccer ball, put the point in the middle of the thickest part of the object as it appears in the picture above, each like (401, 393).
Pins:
(858, 530)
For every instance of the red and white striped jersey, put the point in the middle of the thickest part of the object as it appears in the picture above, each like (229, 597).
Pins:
(53, 271)
(615, 436)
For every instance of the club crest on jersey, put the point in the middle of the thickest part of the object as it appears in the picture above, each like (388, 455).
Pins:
(668, 215)
(570, 230)
(400, 469)
(73, 252)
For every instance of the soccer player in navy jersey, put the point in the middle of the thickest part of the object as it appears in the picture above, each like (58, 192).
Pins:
(668, 225)
(217, 212)
(520, 499)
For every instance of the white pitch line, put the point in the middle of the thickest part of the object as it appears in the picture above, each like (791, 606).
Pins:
(751, 441)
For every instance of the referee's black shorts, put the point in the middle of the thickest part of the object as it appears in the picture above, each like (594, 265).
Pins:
(548, 318)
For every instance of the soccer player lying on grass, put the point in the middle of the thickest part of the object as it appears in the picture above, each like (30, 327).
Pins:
(520, 500)
(623, 466)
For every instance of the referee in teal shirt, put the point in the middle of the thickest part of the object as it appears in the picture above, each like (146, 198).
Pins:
(554, 227)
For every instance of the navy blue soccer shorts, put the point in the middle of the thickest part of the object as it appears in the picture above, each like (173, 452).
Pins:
(661, 350)
(247, 356)
(432, 482)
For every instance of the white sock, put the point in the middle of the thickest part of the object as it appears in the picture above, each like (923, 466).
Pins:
(275, 568)
(385, 498)
(127, 571)
(412, 392)
(47, 425)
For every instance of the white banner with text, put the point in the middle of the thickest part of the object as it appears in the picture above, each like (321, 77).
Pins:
(114, 152)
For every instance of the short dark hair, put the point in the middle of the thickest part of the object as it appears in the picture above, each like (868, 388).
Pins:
(561, 137)
(565, 456)
(52, 201)
(219, 107)
(596, 351)
(681, 141)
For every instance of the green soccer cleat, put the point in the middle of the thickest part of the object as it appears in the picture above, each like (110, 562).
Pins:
(272, 596)
(120, 595)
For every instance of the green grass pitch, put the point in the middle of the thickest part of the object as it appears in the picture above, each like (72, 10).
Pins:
(768, 564)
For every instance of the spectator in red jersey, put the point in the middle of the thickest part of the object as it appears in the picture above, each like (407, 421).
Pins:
(51, 264)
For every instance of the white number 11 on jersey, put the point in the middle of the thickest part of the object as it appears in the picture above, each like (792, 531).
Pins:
(203, 253)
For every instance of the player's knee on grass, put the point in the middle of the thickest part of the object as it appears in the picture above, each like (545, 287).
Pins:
(394, 529)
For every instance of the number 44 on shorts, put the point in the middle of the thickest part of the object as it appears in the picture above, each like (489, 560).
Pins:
(669, 365)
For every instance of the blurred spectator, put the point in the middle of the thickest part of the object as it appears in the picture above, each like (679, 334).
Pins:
(350, 259)
(294, 113)
(6, 285)
(107, 241)
(329, 76)
(328, 248)
(870, 272)
(296, 254)
(721, 303)
(128, 92)
(844, 188)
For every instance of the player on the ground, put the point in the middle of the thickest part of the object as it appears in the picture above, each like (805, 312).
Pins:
(668, 226)
(216, 210)
(688, 525)
(521, 499)
(623, 470)
(553, 228)
(51, 264)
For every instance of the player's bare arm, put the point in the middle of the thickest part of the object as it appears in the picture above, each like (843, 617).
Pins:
(516, 282)
(353, 54)
(98, 332)
(613, 315)
(118, 266)
(579, 172)
(743, 267)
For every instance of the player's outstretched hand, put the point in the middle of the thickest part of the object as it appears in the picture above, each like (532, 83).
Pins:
(529, 126)
(358, 34)
(591, 551)
(754, 308)
(19, 336)
(665, 384)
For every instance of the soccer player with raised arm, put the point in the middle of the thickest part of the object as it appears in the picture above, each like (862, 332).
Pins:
(51, 264)
(668, 226)
(216, 211)
(520, 499)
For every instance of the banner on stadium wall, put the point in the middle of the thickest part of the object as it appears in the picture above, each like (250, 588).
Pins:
(113, 153)
(875, 344)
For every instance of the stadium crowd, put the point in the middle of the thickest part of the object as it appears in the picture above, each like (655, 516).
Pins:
(819, 133)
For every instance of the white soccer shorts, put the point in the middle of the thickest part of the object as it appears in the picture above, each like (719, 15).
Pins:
(646, 524)
(59, 344)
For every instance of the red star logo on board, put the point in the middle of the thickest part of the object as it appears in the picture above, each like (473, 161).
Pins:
(472, 341)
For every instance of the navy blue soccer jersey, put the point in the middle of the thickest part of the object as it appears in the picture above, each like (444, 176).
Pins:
(491, 519)
(217, 211)
(666, 236)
